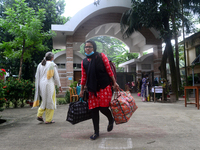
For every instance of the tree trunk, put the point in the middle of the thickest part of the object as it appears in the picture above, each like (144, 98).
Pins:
(176, 52)
(21, 60)
(162, 67)
(177, 63)
(186, 80)
(167, 39)
(164, 71)
(172, 66)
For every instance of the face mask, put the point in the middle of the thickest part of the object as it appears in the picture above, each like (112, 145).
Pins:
(89, 54)
(52, 61)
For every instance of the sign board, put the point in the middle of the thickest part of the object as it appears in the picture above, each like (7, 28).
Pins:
(158, 89)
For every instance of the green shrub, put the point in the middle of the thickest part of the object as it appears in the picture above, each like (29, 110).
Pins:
(61, 101)
(2, 94)
(73, 84)
(18, 91)
(67, 97)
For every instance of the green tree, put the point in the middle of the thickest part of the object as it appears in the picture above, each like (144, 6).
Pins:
(158, 14)
(114, 49)
(123, 57)
(54, 10)
(53, 15)
(25, 25)
(4, 35)
(108, 45)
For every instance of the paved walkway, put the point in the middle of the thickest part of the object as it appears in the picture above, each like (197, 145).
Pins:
(154, 126)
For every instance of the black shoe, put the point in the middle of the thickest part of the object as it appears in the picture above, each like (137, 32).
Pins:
(94, 136)
(110, 126)
(40, 119)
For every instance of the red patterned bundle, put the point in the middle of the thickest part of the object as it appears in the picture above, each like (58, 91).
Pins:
(123, 106)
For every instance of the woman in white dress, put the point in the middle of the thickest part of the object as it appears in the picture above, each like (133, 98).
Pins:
(45, 80)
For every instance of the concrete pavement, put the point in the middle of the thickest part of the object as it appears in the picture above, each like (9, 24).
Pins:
(154, 126)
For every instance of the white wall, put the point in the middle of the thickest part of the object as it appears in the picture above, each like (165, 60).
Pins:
(77, 59)
(62, 59)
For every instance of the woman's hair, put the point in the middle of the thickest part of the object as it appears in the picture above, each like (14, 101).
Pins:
(93, 44)
(146, 75)
(48, 56)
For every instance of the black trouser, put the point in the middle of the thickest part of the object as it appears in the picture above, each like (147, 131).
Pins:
(95, 117)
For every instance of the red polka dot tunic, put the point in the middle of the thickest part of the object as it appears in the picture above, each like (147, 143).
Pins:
(104, 95)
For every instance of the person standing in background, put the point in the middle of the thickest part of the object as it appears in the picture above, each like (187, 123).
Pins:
(143, 89)
(138, 85)
(45, 80)
(78, 87)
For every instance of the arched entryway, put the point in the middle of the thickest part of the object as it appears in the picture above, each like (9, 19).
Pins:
(98, 21)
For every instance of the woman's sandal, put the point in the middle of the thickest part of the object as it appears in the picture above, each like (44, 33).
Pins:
(94, 136)
(110, 126)
(50, 122)
(40, 119)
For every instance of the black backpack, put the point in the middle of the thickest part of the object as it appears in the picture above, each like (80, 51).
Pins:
(113, 68)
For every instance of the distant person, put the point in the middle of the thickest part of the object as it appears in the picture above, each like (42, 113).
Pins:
(45, 80)
(96, 74)
(138, 85)
(143, 89)
(156, 81)
(78, 88)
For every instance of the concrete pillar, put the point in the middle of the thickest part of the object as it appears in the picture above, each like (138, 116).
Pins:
(139, 74)
(140, 54)
(138, 71)
(69, 60)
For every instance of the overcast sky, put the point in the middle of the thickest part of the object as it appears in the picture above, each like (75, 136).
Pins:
(73, 6)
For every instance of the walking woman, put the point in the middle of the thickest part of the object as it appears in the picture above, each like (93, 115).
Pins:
(45, 80)
(96, 74)
(143, 89)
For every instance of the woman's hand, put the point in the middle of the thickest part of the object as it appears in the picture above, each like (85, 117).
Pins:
(60, 89)
(115, 86)
(81, 93)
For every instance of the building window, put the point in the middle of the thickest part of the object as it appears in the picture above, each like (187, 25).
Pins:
(197, 48)
(60, 66)
(76, 66)
(146, 66)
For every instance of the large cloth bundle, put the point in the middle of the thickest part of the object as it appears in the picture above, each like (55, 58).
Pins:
(78, 112)
(123, 106)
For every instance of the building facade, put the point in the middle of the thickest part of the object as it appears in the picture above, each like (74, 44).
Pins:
(100, 20)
